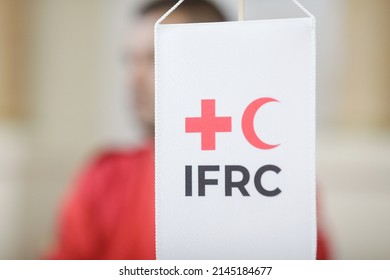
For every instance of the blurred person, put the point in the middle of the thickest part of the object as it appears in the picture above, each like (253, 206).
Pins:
(110, 214)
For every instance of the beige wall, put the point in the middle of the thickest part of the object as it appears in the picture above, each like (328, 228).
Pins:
(367, 80)
(65, 90)
(12, 53)
(354, 155)
(12, 112)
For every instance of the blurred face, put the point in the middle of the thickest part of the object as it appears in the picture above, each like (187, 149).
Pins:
(141, 59)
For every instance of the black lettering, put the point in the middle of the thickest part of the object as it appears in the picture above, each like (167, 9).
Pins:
(229, 184)
(258, 184)
(188, 176)
(203, 182)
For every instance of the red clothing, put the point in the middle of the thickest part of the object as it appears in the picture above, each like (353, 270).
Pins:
(111, 213)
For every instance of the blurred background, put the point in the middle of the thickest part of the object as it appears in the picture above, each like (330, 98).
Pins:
(62, 99)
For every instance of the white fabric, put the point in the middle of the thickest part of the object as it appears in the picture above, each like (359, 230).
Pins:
(235, 63)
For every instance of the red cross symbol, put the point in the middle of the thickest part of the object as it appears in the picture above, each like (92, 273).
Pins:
(208, 125)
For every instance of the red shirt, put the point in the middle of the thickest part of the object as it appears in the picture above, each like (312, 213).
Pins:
(110, 215)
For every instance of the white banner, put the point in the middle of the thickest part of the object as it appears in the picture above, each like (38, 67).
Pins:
(235, 140)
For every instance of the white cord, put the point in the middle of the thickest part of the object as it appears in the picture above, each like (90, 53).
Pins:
(303, 9)
(169, 12)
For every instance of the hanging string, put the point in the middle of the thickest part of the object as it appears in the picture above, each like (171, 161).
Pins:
(241, 10)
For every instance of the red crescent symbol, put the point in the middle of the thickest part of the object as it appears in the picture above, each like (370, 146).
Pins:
(248, 122)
